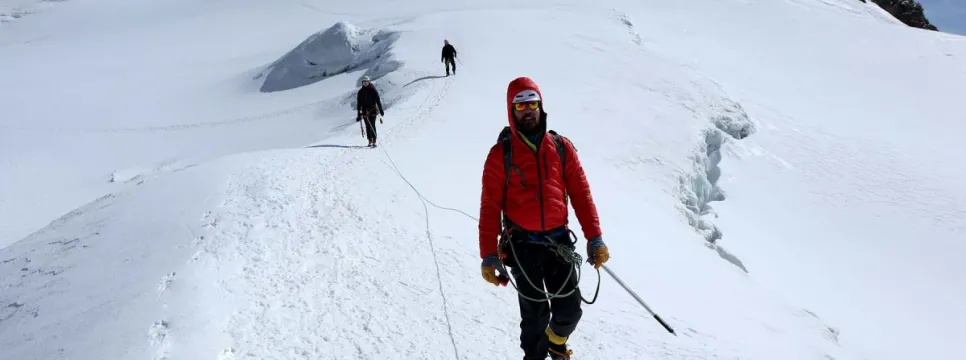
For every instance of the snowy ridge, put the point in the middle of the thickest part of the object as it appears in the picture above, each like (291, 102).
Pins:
(223, 206)
(280, 282)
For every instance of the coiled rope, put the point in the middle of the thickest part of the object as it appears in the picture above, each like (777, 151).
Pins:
(567, 254)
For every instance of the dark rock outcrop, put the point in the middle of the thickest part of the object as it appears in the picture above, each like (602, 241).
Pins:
(909, 12)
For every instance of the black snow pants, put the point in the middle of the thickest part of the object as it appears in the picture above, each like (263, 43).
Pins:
(450, 61)
(548, 271)
(370, 117)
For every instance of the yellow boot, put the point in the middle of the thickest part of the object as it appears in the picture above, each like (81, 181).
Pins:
(558, 346)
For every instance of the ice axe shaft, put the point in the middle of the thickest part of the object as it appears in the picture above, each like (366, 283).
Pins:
(638, 298)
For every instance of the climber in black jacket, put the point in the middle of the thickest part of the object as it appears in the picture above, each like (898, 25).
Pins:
(449, 56)
(368, 105)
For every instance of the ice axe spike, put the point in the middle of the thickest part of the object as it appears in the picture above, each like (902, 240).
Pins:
(638, 298)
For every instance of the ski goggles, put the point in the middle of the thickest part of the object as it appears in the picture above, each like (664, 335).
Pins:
(520, 106)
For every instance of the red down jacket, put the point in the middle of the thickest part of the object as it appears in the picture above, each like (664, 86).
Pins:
(536, 201)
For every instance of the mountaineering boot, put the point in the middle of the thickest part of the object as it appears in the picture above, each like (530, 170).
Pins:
(558, 346)
(560, 352)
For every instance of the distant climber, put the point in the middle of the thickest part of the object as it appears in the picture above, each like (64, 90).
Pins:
(368, 105)
(449, 56)
(530, 192)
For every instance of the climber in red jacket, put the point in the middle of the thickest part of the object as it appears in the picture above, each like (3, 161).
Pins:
(531, 198)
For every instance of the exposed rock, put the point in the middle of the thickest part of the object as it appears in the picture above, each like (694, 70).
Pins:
(909, 12)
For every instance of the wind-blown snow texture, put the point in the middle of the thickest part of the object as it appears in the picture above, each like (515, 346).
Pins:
(777, 179)
(337, 50)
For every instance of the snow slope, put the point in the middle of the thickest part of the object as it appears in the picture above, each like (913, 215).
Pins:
(849, 194)
(766, 180)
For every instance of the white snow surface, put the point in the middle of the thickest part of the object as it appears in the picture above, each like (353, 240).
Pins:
(185, 179)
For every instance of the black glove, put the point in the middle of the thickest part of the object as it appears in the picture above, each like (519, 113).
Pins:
(381, 113)
(358, 116)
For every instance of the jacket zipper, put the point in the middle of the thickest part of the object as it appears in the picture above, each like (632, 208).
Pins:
(546, 172)
(536, 155)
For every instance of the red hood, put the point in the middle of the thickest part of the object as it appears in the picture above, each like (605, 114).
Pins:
(517, 85)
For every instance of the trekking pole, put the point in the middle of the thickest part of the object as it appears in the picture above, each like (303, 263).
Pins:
(638, 298)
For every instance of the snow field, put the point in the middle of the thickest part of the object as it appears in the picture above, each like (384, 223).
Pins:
(848, 176)
(299, 235)
(785, 204)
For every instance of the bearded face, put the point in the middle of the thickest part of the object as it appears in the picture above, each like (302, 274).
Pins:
(527, 115)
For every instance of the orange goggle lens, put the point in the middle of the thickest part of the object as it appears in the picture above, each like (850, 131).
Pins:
(533, 105)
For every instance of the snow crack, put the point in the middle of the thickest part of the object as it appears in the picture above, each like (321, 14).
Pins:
(700, 188)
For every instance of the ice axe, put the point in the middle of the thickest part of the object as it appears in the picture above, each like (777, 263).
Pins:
(638, 298)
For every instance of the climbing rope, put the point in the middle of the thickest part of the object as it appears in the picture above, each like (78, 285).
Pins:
(567, 254)
(432, 248)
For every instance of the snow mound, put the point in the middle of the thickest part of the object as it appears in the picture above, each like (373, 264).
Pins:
(340, 49)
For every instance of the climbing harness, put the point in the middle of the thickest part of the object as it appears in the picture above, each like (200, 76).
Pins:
(565, 253)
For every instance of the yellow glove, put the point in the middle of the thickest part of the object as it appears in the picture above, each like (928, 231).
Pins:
(601, 255)
(489, 274)
(597, 251)
(489, 269)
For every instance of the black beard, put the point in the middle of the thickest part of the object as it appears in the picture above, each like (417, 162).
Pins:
(528, 124)
(528, 120)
